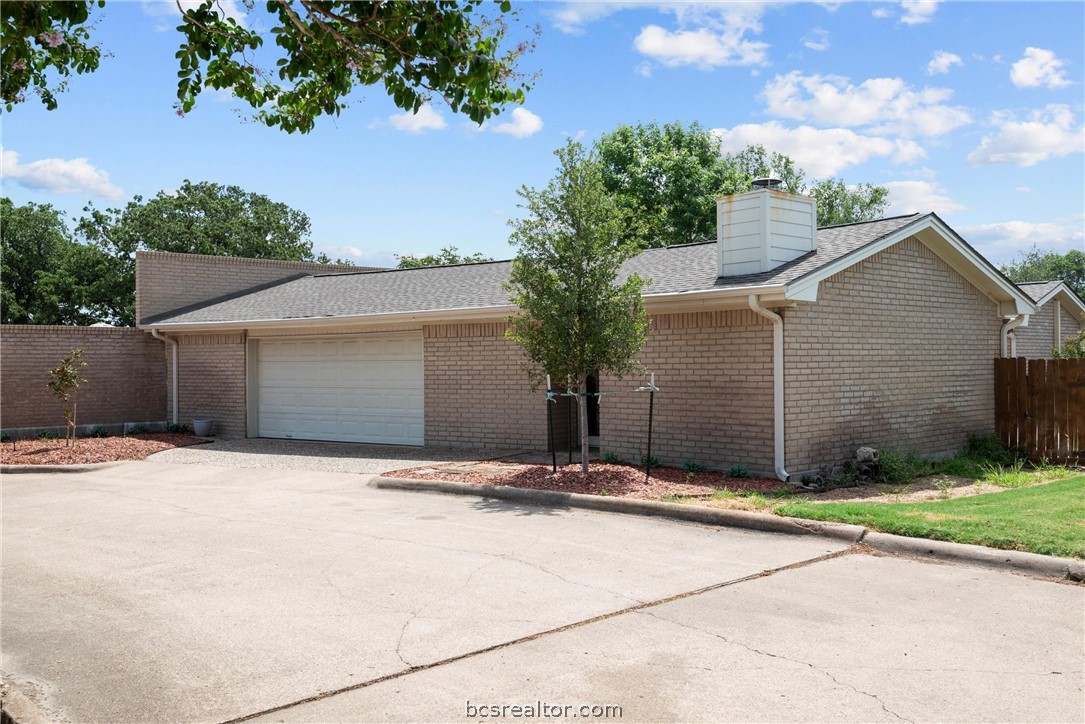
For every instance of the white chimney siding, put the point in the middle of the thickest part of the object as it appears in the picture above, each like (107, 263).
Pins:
(759, 230)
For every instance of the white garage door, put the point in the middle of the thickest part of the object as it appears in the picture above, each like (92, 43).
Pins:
(349, 389)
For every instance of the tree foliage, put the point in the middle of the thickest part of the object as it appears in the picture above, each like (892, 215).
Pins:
(323, 50)
(577, 316)
(446, 256)
(668, 178)
(1037, 265)
(64, 379)
(1071, 348)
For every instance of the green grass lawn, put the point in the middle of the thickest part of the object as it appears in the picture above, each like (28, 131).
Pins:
(1048, 518)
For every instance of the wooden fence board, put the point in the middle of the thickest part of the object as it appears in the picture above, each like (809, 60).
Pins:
(1040, 406)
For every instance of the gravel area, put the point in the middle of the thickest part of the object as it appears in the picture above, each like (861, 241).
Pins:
(338, 457)
(604, 478)
(92, 449)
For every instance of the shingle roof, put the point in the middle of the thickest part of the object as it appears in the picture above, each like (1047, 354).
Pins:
(1038, 290)
(690, 267)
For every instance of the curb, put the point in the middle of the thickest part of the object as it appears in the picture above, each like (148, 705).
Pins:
(82, 468)
(1015, 561)
(674, 511)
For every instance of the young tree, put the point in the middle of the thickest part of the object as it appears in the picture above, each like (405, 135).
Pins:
(577, 316)
(64, 380)
(1044, 266)
(1071, 348)
(323, 50)
(446, 256)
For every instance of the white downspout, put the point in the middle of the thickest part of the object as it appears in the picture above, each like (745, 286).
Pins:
(1008, 326)
(173, 367)
(777, 384)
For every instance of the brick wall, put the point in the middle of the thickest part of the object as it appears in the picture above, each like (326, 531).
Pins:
(895, 353)
(211, 381)
(166, 281)
(126, 375)
(1070, 326)
(714, 370)
(476, 391)
(1036, 340)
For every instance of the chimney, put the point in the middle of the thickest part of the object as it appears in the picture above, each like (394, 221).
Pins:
(763, 228)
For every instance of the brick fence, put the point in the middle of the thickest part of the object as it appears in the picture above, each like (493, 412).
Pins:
(125, 372)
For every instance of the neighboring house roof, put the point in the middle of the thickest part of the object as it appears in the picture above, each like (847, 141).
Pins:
(1044, 292)
(674, 272)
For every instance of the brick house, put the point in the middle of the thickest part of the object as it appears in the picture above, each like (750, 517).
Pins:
(1059, 315)
(777, 346)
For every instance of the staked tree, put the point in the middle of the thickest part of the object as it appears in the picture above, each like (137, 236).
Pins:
(578, 316)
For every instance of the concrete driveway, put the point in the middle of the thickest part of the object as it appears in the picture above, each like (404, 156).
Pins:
(166, 592)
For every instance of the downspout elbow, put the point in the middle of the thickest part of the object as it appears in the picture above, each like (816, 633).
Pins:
(173, 367)
(777, 384)
(1008, 326)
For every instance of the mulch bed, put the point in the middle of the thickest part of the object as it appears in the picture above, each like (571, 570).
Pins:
(92, 449)
(617, 480)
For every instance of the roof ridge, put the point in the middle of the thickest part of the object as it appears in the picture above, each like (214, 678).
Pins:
(414, 268)
(870, 221)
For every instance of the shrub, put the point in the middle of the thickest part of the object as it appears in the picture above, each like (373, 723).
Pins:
(612, 459)
(179, 428)
(98, 431)
(1012, 476)
(988, 447)
(5, 437)
(138, 430)
(692, 467)
(738, 471)
(895, 467)
(653, 460)
(48, 435)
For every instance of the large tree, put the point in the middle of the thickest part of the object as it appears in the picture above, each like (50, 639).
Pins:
(1037, 265)
(668, 178)
(577, 317)
(323, 50)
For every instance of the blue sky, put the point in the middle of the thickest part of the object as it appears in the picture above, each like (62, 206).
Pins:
(972, 110)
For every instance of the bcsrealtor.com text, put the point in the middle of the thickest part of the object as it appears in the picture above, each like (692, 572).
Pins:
(542, 710)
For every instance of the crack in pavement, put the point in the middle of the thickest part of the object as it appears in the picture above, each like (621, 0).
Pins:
(541, 634)
(777, 656)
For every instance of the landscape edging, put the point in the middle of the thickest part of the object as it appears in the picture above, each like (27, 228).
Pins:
(76, 468)
(1016, 561)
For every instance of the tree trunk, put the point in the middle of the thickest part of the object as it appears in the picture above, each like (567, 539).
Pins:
(582, 422)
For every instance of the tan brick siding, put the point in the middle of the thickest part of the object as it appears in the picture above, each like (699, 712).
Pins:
(714, 370)
(126, 375)
(1037, 339)
(477, 394)
(896, 353)
(211, 381)
(166, 281)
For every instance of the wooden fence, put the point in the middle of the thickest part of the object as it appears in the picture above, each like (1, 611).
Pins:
(1040, 407)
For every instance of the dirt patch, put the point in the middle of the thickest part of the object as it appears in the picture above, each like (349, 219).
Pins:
(92, 449)
(932, 487)
(617, 480)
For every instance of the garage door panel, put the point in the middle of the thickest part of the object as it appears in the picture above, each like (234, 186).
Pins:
(361, 389)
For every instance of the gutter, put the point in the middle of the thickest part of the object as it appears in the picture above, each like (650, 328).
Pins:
(777, 384)
(173, 367)
(1008, 326)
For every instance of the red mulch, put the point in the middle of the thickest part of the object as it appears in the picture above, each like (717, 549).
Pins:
(92, 449)
(618, 480)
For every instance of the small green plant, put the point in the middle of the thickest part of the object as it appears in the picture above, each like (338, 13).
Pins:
(48, 435)
(693, 467)
(944, 485)
(64, 381)
(894, 467)
(738, 471)
(653, 460)
(602, 491)
(1072, 348)
(1012, 476)
(179, 428)
(989, 448)
(612, 459)
(5, 437)
(138, 430)
(98, 431)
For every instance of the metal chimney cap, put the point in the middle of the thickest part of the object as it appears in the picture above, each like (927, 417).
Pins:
(766, 182)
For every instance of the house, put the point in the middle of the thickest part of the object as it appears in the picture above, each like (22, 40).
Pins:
(777, 346)
(1059, 315)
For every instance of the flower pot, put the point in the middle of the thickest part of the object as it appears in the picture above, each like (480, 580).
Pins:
(202, 427)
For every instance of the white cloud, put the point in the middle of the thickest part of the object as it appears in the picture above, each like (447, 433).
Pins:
(1023, 190)
(703, 48)
(169, 14)
(58, 176)
(942, 62)
(882, 12)
(1048, 133)
(426, 119)
(819, 152)
(918, 11)
(522, 124)
(1005, 239)
(817, 39)
(909, 197)
(1038, 67)
(888, 104)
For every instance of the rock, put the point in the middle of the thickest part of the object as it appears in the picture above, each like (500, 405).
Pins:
(866, 455)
